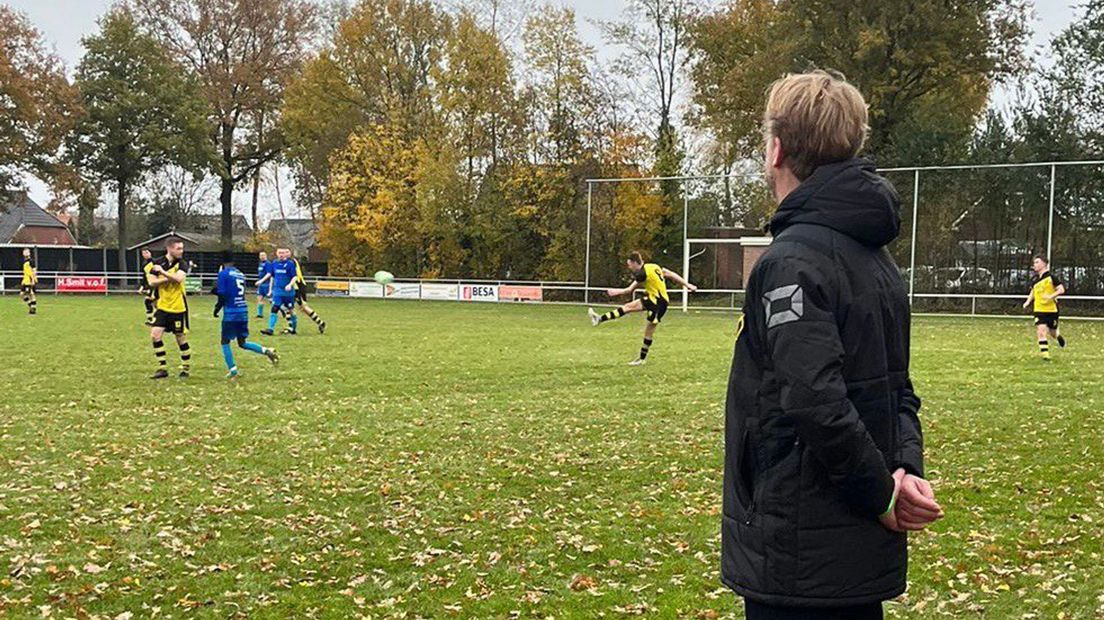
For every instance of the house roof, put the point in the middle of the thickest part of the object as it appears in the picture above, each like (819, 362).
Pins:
(187, 237)
(299, 232)
(17, 210)
(211, 224)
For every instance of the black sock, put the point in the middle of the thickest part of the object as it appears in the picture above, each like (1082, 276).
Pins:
(149, 308)
(185, 357)
(644, 349)
(159, 351)
(611, 315)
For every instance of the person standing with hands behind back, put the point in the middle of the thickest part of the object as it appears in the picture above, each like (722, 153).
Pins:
(823, 449)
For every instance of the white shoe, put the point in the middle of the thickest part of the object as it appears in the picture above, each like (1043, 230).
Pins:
(595, 318)
(637, 362)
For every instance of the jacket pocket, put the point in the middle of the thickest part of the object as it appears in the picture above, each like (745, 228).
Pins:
(745, 478)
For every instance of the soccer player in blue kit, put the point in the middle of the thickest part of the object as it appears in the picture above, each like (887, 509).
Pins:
(283, 292)
(230, 290)
(264, 282)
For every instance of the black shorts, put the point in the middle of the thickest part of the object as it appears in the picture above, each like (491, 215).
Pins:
(1050, 319)
(301, 294)
(27, 289)
(656, 309)
(172, 322)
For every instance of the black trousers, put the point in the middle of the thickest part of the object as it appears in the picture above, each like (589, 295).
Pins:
(759, 611)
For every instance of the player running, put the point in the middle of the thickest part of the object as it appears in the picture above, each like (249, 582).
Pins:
(29, 285)
(167, 275)
(655, 299)
(264, 282)
(1045, 290)
(147, 290)
(301, 297)
(283, 293)
(230, 292)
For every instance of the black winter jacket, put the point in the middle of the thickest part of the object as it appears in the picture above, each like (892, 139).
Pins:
(820, 407)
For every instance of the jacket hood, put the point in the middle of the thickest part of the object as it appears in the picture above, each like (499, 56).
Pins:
(849, 197)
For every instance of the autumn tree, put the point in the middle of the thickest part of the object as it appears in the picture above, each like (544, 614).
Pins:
(142, 113)
(375, 70)
(559, 76)
(925, 67)
(38, 106)
(476, 93)
(370, 207)
(655, 36)
(1076, 81)
(243, 53)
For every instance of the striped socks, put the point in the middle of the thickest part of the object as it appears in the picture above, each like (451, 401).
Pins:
(1044, 349)
(159, 351)
(644, 349)
(185, 357)
(611, 315)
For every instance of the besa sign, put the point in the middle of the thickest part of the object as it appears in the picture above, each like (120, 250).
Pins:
(479, 292)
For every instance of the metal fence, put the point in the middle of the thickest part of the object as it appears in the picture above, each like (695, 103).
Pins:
(968, 234)
(967, 237)
(53, 262)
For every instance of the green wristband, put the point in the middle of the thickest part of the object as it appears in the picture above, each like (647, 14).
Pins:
(892, 503)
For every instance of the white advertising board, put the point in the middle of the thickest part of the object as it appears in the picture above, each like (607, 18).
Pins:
(365, 289)
(402, 290)
(478, 292)
(441, 292)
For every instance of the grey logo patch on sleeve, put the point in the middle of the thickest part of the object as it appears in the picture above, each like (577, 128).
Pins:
(784, 304)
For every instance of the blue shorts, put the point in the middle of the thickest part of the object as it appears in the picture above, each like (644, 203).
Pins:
(232, 330)
(264, 290)
(287, 302)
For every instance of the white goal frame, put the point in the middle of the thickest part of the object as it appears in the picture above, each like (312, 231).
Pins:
(688, 244)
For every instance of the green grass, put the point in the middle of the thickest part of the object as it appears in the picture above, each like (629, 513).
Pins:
(470, 460)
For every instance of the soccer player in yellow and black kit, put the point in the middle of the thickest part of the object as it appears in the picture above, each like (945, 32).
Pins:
(147, 290)
(167, 275)
(1045, 290)
(301, 297)
(28, 286)
(655, 299)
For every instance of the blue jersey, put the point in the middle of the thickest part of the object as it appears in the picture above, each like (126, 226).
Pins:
(231, 292)
(283, 274)
(263, 269)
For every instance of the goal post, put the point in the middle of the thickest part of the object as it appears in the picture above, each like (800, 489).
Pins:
(750, 248)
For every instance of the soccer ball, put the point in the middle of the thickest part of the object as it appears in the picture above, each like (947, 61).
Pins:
(384, 277)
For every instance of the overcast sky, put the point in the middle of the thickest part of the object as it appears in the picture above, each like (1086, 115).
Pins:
(64, 22)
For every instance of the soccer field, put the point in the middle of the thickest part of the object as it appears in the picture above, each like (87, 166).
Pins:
(480, 460)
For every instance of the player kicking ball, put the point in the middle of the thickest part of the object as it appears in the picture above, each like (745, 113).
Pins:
(1045, 290)
(655, 300)
(230, 293)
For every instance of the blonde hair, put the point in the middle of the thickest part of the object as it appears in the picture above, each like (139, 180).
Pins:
(818, 117)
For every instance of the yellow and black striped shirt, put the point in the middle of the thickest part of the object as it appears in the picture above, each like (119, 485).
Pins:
(655, 286)
(1045, 285)
(30, 278)
(170, 294)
